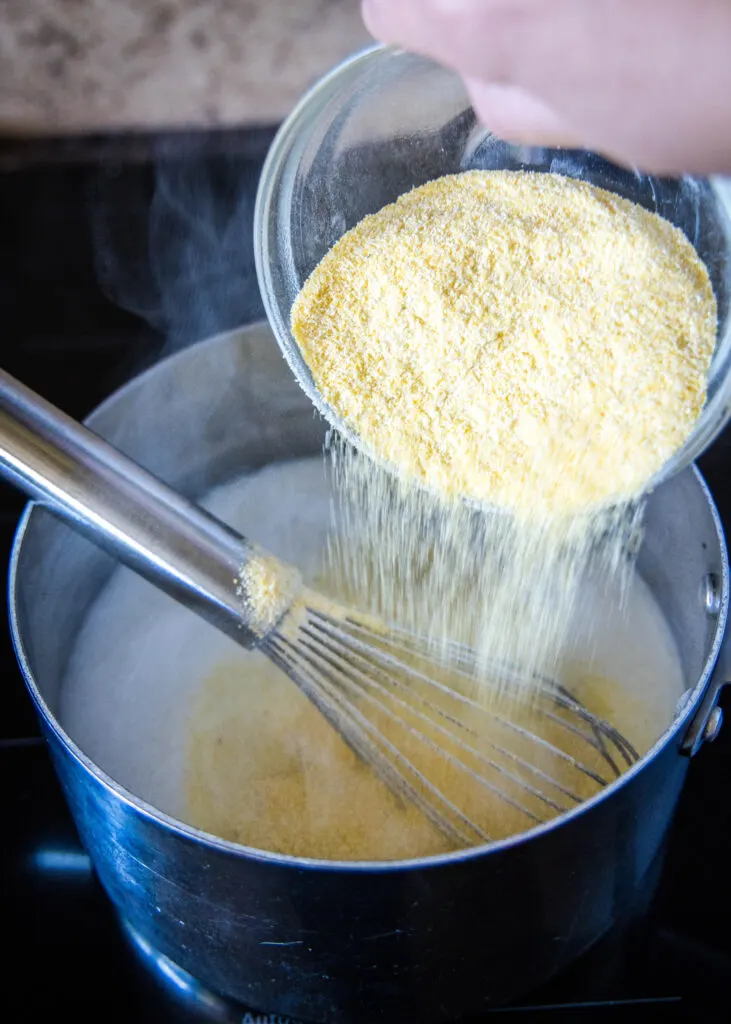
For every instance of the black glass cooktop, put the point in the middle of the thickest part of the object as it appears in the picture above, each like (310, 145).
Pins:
(72, 218)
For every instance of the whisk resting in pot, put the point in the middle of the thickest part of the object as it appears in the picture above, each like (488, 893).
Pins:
(406, 707)
(401, 703)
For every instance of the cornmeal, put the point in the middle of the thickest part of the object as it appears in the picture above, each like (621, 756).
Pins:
(526, 340)
(267, 589)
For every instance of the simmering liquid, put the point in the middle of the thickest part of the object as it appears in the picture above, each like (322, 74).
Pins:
(220, 739)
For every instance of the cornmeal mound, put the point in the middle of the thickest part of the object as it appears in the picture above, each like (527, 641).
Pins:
(523, 339)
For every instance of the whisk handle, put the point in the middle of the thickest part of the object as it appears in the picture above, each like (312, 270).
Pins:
(116, 503)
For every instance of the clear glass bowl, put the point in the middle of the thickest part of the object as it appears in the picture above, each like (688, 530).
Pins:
(385, 121)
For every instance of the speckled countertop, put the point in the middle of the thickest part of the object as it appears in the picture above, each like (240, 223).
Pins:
(80, 66)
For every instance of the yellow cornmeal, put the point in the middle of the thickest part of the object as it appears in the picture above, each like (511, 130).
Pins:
(267, 588)
(523, 339)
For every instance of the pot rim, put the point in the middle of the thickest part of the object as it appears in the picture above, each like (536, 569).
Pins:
(202, 838)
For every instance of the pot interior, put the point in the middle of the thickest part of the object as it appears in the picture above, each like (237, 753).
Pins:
(230, 405)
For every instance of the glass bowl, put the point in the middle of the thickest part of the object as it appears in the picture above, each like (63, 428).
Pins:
(386, 121)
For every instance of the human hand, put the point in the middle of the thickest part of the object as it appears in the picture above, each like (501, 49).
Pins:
(646, 82)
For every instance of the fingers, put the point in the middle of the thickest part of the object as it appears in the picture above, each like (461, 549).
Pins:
(647, 81)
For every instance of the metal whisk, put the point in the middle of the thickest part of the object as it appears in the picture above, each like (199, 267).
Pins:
(543, 754)
(405, 706)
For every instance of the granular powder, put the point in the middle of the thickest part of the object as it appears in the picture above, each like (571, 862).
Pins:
(267, 589)
(524, 339)
(507, 588)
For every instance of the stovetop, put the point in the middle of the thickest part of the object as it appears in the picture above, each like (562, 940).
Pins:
(68, 224)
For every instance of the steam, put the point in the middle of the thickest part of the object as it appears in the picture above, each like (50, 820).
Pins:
(173, 241)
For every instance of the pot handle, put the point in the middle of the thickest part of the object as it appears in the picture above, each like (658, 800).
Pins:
(706, 723)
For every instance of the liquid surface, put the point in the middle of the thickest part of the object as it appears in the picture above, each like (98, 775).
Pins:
(218, 738)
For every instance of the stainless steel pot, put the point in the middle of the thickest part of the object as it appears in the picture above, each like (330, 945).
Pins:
(423, 940)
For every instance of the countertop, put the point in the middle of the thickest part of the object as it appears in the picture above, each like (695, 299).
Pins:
(81, 66)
